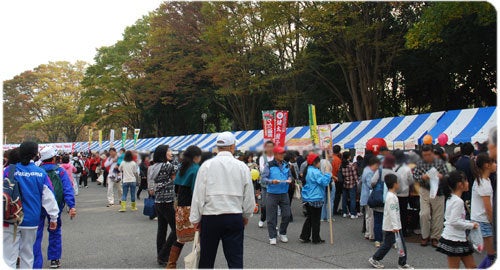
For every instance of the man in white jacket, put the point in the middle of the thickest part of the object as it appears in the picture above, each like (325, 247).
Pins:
(223, 200)
(114, 177)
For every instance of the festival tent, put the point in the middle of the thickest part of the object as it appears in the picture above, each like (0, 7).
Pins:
(397, 130)
(404, 132)
(468, 125)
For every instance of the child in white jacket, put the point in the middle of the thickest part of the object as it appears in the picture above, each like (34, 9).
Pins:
(391, 225)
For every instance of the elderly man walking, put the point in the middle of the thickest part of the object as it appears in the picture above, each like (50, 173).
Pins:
(223, 200)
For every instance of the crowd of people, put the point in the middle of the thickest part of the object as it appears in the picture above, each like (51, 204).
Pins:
(216, 194)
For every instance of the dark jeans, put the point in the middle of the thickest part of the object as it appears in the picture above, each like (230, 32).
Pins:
(389, 240)
(166, 218)
(378, 218)
(339, 187)
(349, 193)
(83, 179)
(263, 201)
(403, 214)
(229, 228)
(139, 192)
(311, 224)
(273, 201)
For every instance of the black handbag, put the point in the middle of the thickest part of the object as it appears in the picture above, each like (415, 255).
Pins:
(376, 198)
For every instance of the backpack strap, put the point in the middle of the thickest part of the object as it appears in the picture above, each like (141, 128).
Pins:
(399, 167)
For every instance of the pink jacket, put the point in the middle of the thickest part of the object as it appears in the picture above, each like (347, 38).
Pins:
(70, 169)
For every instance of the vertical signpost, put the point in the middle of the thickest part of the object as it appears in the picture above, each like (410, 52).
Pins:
(100, 139)
(112, 138)
(136, 136)
(124, 136)
(90, 138)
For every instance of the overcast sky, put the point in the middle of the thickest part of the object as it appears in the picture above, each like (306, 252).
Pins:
(34, 32)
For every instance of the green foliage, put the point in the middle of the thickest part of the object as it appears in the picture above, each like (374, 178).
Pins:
(46, 101)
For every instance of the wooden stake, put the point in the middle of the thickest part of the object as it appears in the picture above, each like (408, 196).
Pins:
(330, 221)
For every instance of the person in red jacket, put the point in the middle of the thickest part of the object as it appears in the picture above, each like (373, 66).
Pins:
(95, 161)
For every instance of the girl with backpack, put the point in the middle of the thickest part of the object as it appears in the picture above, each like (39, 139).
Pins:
(453, 241)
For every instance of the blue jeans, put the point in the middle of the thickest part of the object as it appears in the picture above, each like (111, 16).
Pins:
(324, 210)
(351, 192)
(378, 218)
(126, 187)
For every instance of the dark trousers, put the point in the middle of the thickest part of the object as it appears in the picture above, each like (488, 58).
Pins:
(83, 179)
(378, 218)
(139, 192)
(291, 190)
(229, 228)
(166, 218)
(389, 240)
(349, 194)
(339, 187)
(93, 176)
(273, 201)
(403, 213)
(105, 176)
(263, 201)
(311, 224)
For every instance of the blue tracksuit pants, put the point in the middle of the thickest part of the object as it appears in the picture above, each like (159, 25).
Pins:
(54, 250)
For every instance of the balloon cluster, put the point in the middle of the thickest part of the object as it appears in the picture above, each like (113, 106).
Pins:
(442, 139)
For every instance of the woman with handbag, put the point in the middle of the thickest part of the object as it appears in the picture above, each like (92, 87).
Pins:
(378, 195)
(161, 184)
(184, 186)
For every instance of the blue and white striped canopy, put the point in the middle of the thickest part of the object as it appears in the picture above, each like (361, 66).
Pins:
(469, 125)
(400, 128)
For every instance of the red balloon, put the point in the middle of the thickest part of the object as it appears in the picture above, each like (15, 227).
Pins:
(442, 139)
(374, 145)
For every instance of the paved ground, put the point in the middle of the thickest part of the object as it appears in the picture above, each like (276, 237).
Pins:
(101, 237)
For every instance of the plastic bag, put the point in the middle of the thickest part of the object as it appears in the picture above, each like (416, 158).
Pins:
(297, 193)
(399, 245)
(434, 182)
(476, 238)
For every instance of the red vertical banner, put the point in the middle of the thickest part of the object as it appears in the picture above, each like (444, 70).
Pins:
(268, 125)
(281, 125)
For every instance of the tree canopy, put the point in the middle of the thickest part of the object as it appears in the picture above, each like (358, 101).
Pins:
(230, 60)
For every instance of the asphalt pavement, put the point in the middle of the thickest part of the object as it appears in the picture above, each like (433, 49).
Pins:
(102, 237)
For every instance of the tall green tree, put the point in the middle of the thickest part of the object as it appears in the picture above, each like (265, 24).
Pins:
(51, 101)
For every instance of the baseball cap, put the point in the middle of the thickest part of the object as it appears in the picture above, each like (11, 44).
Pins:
(48, 153)
(226, 138)
(278, 150)
(311, 157)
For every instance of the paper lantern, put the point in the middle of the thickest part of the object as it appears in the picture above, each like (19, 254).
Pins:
(427, 139)
(442, 139)
(374, 145)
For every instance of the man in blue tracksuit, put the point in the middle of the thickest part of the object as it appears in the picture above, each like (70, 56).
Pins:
(35, 188)
(54, 250)
(278, 177)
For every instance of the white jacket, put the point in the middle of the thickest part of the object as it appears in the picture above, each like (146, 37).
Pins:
(392, 220)
(223, 186)
(455, 223)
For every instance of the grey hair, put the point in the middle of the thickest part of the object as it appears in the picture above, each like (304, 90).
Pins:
(493, 136)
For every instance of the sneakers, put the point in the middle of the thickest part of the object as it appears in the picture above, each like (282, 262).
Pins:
(272, 241)
(110, 204)
(344, 215)
(55, 264)
(86, 186)
(261, 224)
(406, 266)
(283, 238)
(377, 244)
(354, 217)
(375, 263)
(321, 241)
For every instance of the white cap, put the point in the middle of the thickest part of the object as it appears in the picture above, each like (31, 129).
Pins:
(226, 138)
(48, 153)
